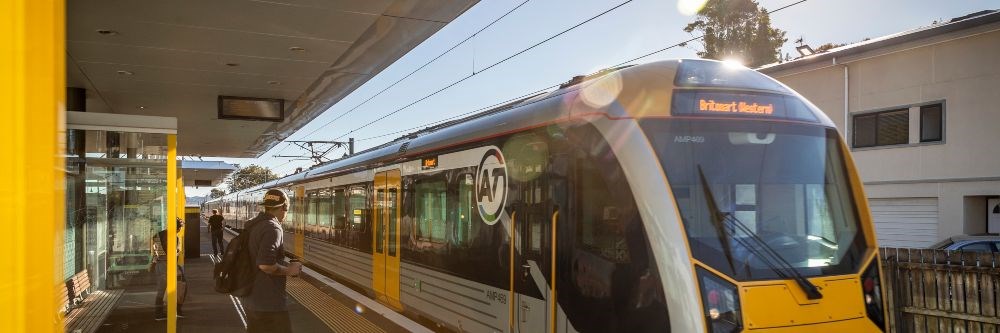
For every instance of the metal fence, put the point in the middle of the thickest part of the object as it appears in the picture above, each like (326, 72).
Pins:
(941, 291)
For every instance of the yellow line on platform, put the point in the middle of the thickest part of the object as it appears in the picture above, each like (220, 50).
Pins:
(336, 315)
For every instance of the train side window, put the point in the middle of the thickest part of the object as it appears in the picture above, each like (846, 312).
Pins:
(358, 204)
(465, 229)
(357, 210)
(431, 210)
(392, 221)
(325, 205)
(379, 229)
(311, 208)
(608, 276)
(289, 224)
(601, 230)
(339, 215)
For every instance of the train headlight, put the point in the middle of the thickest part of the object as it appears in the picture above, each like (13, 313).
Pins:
(722, 303)
(871, 289)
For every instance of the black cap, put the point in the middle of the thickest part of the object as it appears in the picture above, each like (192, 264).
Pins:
(275, 198)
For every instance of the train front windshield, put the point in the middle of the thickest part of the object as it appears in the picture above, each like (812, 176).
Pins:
(750, 190)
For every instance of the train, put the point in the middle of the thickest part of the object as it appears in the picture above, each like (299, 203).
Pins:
(681, 195)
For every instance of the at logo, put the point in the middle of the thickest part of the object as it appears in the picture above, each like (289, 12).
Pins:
(491, 186)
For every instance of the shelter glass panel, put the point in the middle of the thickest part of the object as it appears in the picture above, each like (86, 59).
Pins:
(115, 203)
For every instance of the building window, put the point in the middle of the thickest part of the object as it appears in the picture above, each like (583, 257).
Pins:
(931, 123)
(882, 128)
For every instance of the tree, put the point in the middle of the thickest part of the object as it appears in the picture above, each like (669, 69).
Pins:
(827, 47)
(248, 177)
(217, 193)
(738, 28)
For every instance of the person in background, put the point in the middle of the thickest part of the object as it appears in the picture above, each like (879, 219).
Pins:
(159, 248)
(269, 312)
(215, 228)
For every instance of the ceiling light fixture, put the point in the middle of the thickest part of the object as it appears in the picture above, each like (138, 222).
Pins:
(107, 32)
(297, 49)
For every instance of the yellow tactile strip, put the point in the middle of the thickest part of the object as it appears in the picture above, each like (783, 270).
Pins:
(334, 314)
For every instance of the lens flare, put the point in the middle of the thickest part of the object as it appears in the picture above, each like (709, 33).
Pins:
(690, 7)
(733, 63)
(603, 91)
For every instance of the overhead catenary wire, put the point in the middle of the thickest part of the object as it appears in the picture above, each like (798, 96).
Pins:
(445, 120)
(486, 68)
(510, 57)
(682, 43)
(407, 75)
(470, 37)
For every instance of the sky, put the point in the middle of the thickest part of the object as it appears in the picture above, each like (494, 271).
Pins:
(627, 31)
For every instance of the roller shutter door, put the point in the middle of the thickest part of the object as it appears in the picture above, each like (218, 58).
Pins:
(905, 222)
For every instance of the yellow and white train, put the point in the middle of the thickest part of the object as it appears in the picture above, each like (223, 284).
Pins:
(683, 196)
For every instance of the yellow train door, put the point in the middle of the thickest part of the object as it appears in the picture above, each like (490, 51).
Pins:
(385, 249)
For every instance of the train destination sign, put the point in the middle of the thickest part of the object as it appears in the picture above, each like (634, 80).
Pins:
(741, 104)
(745, 107)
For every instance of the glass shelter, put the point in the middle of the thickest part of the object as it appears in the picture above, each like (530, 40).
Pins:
(116, 194)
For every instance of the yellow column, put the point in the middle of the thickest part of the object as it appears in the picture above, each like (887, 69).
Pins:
(171, 233)
(181, 202)
(32, 88)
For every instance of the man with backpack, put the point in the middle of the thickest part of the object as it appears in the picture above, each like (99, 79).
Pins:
(265, 245)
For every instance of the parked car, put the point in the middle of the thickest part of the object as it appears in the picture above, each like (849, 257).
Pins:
(971, 243)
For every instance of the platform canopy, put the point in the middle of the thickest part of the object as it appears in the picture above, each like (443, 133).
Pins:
(206, 173)
(176, 58)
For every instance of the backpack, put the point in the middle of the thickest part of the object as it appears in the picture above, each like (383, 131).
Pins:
(234, 275)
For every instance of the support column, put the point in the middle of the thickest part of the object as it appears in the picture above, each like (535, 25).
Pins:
(181, 202)
(33, 88)
(171, 233)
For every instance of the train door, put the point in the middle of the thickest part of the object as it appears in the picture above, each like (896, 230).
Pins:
(385, 249)
(298, 225)
(531, 266)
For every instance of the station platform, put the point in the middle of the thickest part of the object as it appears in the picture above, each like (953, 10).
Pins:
(316, 304)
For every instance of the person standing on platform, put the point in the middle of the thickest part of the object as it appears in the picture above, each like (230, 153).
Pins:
(215, 227)
(269, 312)
(159, 248)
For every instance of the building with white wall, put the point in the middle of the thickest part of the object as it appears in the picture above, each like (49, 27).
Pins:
(921, 113)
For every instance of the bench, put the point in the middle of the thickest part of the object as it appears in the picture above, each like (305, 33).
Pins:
(86, 310)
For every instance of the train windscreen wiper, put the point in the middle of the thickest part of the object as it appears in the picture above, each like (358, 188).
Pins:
(728, 225)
